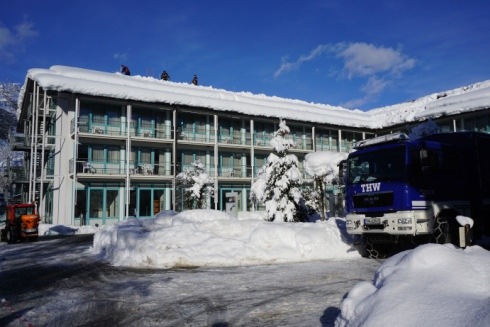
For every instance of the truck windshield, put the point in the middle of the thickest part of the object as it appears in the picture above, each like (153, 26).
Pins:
(381, 165)
(24, 211)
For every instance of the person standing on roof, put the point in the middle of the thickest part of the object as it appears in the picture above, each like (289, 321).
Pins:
(194, 80)
(125, 70)
(165, 76)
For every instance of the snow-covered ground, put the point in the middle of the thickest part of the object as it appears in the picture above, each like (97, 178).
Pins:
(432, 285)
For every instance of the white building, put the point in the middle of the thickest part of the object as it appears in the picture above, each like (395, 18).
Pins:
(100, 146)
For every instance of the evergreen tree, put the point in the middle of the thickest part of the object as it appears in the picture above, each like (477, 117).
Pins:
(278, 184)
(197, 184)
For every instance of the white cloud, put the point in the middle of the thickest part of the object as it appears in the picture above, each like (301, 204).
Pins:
(12, 41)
(379, 65)
(362, 59)
(289, 66)
(25, 30)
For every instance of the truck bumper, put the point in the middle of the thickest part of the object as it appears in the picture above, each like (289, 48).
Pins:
(396, 223)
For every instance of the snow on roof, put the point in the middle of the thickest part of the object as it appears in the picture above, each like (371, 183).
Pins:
(149, 89)
(464, 99)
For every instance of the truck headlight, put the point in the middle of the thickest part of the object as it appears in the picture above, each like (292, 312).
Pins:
(404, 221)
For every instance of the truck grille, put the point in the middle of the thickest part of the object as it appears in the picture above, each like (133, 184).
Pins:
(384, 199)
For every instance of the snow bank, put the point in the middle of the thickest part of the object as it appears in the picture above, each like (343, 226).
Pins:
(213, 238)
(51, 229)
(432, 285)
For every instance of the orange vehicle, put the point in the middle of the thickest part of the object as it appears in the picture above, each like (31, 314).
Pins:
(22, 223)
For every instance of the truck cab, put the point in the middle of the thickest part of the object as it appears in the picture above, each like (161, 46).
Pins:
(22, 223)
(399, 189)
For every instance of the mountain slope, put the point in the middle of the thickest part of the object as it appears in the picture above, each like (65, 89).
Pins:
(9, 93)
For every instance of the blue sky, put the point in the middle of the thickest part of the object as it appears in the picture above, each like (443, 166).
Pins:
(356, 54)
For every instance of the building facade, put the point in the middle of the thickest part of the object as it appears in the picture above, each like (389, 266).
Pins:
(101, 147)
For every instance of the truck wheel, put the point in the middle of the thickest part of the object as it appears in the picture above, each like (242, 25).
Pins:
(442, 231)
(374, 250)
(11, 236)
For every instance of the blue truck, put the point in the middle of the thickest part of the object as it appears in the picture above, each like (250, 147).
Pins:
(401, 192)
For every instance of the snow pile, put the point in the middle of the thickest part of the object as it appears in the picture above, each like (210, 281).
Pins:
(433, 285)
(50, 229)
(213, 238)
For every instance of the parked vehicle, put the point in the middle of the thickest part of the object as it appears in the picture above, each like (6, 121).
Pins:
(22, 223)
(400, 190)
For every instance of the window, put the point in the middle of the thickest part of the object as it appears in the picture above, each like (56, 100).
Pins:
(113, 155)
(98, 154)
(387, 165)
(327, 140)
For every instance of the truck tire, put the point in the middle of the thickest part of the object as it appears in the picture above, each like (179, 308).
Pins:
(375, 250)
(11, 235)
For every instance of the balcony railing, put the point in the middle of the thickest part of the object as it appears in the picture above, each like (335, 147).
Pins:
(263, 139)
(196, 135)
(120, 168)
(119, 129)
(19, 141)
(18, 174)
(244, 138)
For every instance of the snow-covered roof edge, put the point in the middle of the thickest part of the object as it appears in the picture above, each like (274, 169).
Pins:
(149, 89)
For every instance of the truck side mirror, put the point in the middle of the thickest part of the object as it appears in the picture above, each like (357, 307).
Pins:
(342, 170)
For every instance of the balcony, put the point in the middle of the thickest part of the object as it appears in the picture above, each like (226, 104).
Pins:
(200, 134)
(98, 128)
(223, 171)
(235, 139)
(86, 168)
(263, 139)
(19, 142)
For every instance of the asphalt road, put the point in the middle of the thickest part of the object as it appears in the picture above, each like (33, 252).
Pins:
(58, 282)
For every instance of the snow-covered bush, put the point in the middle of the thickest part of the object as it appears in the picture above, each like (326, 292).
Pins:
(277, 186)
(322, 166)
(198, 186)
(312, 202)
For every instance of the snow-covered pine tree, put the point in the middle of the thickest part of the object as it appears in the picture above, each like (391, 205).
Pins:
(198, 186)
(277, 187)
